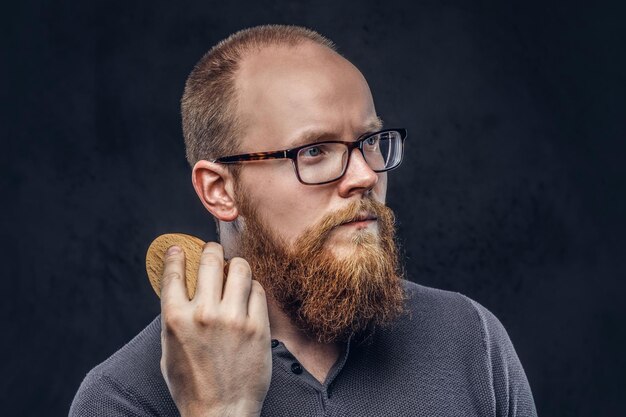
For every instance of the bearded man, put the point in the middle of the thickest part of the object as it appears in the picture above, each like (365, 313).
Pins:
(313, 316)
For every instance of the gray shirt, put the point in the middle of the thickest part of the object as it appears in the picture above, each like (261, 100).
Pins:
(449, 356)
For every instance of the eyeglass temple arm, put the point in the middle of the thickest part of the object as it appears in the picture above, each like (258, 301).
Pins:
(256, 156)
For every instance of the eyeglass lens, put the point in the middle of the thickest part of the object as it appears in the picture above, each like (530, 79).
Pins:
(324, 162)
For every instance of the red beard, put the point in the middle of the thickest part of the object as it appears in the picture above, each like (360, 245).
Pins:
(327, 297)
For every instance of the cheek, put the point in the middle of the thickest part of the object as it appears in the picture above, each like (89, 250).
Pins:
(285, 205)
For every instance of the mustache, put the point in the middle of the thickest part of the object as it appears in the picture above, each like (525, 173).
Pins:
(314, 237)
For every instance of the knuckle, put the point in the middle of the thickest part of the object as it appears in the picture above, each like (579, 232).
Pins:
(250, 330)
(172, 321)
(204, 315)
(237, 324)
(211, 259)
(258, 329)
(257, 287)
(259, 332)
(239, 266)
(171, 276)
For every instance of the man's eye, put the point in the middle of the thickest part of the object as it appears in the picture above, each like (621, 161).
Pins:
(312, 151)
(371, 141)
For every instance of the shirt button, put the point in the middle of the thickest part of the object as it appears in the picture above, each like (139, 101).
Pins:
(296, 368)
(274, 343)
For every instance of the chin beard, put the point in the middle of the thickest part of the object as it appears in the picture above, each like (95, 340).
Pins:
(329, 298)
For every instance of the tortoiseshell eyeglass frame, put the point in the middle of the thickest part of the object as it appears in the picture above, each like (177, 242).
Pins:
(293, 154)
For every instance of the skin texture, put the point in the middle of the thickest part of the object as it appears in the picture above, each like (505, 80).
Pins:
(201, 338)
(287, 96)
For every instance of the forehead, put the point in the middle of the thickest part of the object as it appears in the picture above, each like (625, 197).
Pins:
(288, 95)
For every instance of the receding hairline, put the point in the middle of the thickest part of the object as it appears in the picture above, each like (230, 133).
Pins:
(248, 57)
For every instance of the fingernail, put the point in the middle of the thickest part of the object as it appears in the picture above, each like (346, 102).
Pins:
(172, 250)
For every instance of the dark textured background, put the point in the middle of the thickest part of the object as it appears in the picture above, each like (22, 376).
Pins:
(513, 190)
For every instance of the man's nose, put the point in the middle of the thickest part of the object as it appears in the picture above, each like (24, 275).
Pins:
(359, 176)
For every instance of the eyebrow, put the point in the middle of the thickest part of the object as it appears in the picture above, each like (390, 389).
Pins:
(314, 135)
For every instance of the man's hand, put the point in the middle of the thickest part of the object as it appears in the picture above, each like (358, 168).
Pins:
(217, 359)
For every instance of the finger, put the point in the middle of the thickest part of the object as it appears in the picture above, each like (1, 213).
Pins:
(210, 273)
(237, 288)
(173, 290)
(257, 304)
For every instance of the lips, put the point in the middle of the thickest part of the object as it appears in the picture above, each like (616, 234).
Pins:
(361, 218)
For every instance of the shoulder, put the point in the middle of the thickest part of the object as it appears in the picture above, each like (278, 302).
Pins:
(137, 360)
(453, 327)
(100, 393)
(452, 319)
(129, 382)
(449, 308)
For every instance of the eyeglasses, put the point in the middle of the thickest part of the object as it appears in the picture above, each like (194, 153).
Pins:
(324, 162)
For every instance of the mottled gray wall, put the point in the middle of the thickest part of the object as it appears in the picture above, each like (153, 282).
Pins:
(512, 191)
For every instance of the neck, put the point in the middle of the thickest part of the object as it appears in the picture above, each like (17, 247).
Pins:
(317, 358)
(283, 329)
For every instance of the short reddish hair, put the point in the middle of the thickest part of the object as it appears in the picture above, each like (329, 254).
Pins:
(208, 106)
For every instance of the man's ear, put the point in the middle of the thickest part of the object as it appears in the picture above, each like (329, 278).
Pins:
(214, 185)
